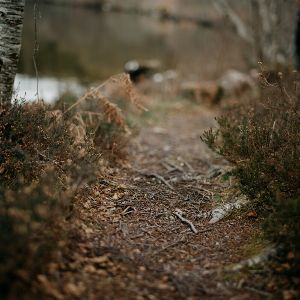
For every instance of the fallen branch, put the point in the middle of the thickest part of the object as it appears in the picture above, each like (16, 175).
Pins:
(221, 212)
(178, 213)
(159, 177)
(255, 260)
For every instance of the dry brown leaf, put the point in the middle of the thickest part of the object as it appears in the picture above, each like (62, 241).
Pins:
(252, 214)
(74, 290)
(100, 259)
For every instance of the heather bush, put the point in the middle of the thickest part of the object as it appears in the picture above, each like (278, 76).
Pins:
(32, 223)
(283, 227)
(261, 138)
(46, 157)
(42, 167)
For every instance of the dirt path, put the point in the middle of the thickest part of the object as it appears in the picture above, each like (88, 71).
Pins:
(133, 246)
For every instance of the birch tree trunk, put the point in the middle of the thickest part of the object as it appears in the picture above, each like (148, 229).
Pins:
(11, 24)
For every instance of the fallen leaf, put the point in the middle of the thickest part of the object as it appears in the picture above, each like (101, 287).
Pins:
(252, 214)
(100, 259)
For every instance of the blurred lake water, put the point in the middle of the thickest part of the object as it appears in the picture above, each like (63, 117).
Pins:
(80, 46)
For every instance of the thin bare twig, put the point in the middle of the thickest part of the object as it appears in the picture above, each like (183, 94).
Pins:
(188, 165)
(172, 164)
(128, 210)
(92, 92)
(159, 177)
(168, 167)
(178, 213)
(168, 246)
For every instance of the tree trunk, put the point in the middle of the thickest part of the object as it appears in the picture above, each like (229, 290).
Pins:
(271, 32)
(11, 23)
(276, 24)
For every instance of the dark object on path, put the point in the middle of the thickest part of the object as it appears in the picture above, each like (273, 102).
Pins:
(138, 70)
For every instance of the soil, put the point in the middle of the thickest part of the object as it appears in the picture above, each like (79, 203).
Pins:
(132, 245)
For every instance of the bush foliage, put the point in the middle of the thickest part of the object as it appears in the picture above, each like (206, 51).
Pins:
(46, 157)
(262, 138)
(42, 166)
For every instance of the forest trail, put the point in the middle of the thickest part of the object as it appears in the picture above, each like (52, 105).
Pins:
(132, 245)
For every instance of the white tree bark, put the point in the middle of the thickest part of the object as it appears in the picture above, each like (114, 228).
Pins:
(271, 32)
(276, 29)
(11, 24)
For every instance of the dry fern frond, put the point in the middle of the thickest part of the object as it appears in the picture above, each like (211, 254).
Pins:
(95, 113)
(123, 80)
(78, 129)
(112, 112)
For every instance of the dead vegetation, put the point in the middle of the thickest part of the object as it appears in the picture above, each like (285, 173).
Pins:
(98, 113)
(47, 159)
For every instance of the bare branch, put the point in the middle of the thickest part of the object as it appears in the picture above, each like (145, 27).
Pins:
(178, 213)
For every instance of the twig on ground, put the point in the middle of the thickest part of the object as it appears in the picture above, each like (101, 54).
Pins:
(188, 165)
(168, 246)
(168, 167)
(163, 180)
(137, 236)
(172, 164)
(254, 290)
(178, 213)
(128, 210)
(205, 190)
(159, 177)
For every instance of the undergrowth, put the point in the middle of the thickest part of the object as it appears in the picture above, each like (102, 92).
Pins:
(98, 113)
(47, 157)
(42, 167)
(261, 138)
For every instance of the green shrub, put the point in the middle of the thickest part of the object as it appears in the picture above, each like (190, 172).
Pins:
(30, 140)
(262, 139)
